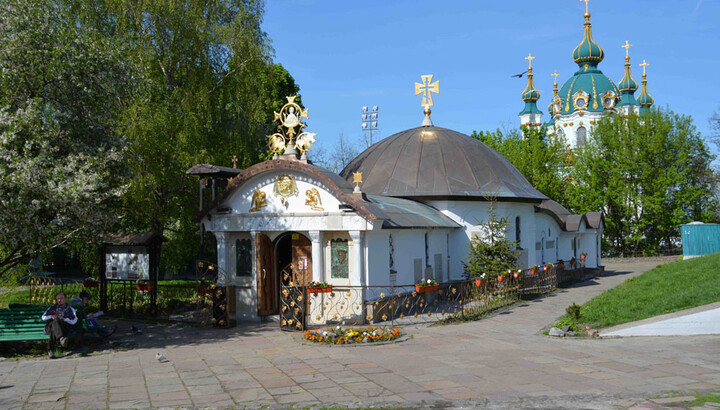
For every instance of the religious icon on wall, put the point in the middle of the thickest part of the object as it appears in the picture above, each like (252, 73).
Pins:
(313, 199)
(285, 187)
(339, 258)
(258, 200)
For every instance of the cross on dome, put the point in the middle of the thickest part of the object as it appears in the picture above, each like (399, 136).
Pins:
(586, 5)
(530, 58)
(643, 65)
(627, 48)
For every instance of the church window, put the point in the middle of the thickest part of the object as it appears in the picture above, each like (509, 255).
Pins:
(561, 133)
(581, 139)
(517, 232)
(339, 258)
(243, 257)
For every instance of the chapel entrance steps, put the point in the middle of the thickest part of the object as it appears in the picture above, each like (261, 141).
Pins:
(409, 304)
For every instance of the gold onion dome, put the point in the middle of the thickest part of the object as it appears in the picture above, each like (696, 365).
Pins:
(588, 51)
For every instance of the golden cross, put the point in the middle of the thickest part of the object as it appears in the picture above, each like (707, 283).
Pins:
(357, 177)
(627, 48)
(586, 5)
(643, 65)
(234, 160)
(427, 87)
(555, 74)
(530, 58)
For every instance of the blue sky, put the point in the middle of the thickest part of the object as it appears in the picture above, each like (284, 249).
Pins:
(347, 54)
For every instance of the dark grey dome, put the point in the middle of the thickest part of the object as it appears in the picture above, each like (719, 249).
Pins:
(438, 162)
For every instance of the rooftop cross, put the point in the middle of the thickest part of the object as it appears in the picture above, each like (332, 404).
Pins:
(530, 58)
(586, 5)
(427, 87)
(627, 48)
(643, 65)
(555, 74)
(234, 161)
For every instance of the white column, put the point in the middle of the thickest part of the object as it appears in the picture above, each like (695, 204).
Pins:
(318, 261)
(356, 271)
(222, 260)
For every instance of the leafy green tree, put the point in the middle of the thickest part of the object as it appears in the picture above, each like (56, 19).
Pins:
(649, 174)
(491, 252)
(543, 161)
(62, 85)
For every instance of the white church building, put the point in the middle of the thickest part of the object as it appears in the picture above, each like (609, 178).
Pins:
(403, 210)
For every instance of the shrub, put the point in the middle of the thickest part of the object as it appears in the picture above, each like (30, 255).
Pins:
(573, 312)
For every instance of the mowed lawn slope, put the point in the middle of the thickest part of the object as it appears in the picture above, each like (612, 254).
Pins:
(664, 289)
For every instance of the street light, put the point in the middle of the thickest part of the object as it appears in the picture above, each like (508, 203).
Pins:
(369, 120)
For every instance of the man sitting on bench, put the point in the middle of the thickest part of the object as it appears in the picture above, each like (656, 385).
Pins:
(58, 319)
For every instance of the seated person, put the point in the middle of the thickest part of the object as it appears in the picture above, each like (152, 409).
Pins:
(58, 318)
(90, 321)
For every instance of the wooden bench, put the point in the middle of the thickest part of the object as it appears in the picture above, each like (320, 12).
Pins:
(22, 322)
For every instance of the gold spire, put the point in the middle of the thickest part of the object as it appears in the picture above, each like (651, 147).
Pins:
(627, 50)
(586, 6)
(555, 89)
(628, 82)
(530, 93)
(645, 99)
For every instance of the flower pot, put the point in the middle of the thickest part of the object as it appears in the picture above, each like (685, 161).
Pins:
(515, 275)
(91, 284)
(480, 282)
(500, 278)
(582, 257)
(318, 289)
(144, 287)
(532, 271)
(430, 288)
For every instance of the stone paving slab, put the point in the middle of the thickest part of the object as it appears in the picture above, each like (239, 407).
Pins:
(500, 362)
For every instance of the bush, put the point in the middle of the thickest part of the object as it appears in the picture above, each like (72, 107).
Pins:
(573, 312)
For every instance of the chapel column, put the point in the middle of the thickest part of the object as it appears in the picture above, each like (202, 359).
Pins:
(356, 271)
(318, 261)
(222, 260)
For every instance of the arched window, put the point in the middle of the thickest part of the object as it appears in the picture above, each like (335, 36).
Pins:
(517, 232)
(581, 138)
(561, 134)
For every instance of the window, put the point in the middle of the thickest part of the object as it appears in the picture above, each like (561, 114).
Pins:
(517, 232)
(339, 258)
(243, 258)
(581, 138)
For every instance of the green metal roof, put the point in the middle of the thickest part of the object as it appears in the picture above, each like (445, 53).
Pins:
(588, 51)
(590, 80)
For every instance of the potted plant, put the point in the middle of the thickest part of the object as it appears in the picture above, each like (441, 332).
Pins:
(90, 282)
(143, 286)
(573, 261)
(534, 270)
(517, 273)
(205, 287)
(583, 256)
(561, 264)
(481, 281)
(501, 276)
(426, 285)
(319, 287)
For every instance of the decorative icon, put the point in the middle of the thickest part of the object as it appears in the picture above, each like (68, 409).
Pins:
(290, 119)
(427, 88)
(313, 199)
(285, 187)
(357, 180)
(258, 200)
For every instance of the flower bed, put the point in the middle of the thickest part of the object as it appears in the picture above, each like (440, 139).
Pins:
(340, 336)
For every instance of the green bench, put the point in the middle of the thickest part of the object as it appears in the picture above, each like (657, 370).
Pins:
(22, 322)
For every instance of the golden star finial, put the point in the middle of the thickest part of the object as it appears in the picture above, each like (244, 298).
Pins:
(357, 177)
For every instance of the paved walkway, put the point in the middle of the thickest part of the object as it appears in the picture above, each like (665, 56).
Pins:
(503, 361)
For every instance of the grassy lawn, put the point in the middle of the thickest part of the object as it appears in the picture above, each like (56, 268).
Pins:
(667, 288)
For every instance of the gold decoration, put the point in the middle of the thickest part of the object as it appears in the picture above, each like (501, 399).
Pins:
(402, 315)
(284, 308)
(298, 325)
(643, 65)
(258, 200)
(586, 5)
(348, 294)
(234, 161)
(299, 298)
(369, 318)
(454, 291)
(627, 48)
(290, 120)
(530, 58)
(427, 88)
(382, 295)
(305, 142)
(416, 314)
(285, 186)
(318, 317)
(312, 198)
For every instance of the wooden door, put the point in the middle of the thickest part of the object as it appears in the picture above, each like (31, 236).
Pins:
(267, 303)
(302, 259)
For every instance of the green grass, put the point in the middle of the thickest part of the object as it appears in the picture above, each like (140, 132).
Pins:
(664, 289)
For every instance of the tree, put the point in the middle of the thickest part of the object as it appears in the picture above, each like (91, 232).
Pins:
(544, 162)
(649, 174)
(490, 251)
(62, 85)
(339, 155)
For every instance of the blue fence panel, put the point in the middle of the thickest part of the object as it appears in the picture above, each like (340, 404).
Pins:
(700, 239)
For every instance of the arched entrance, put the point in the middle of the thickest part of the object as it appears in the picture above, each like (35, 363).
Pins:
(273, 257)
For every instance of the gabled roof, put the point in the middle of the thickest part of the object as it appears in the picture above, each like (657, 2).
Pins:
(567, 221)
(213, 170)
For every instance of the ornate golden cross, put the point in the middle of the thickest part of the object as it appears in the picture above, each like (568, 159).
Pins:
(643, 65)
(555, 74)
(427, 87)
(234, 160)
(586, 5)
(530, 58)
(627, 48)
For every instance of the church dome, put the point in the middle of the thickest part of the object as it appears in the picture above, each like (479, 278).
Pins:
(431, 161)
(588, 51)
(588, 90)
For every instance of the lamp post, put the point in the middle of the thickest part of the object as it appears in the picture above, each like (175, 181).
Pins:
(369, 121)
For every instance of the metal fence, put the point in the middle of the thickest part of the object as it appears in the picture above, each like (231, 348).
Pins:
(304, 307)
